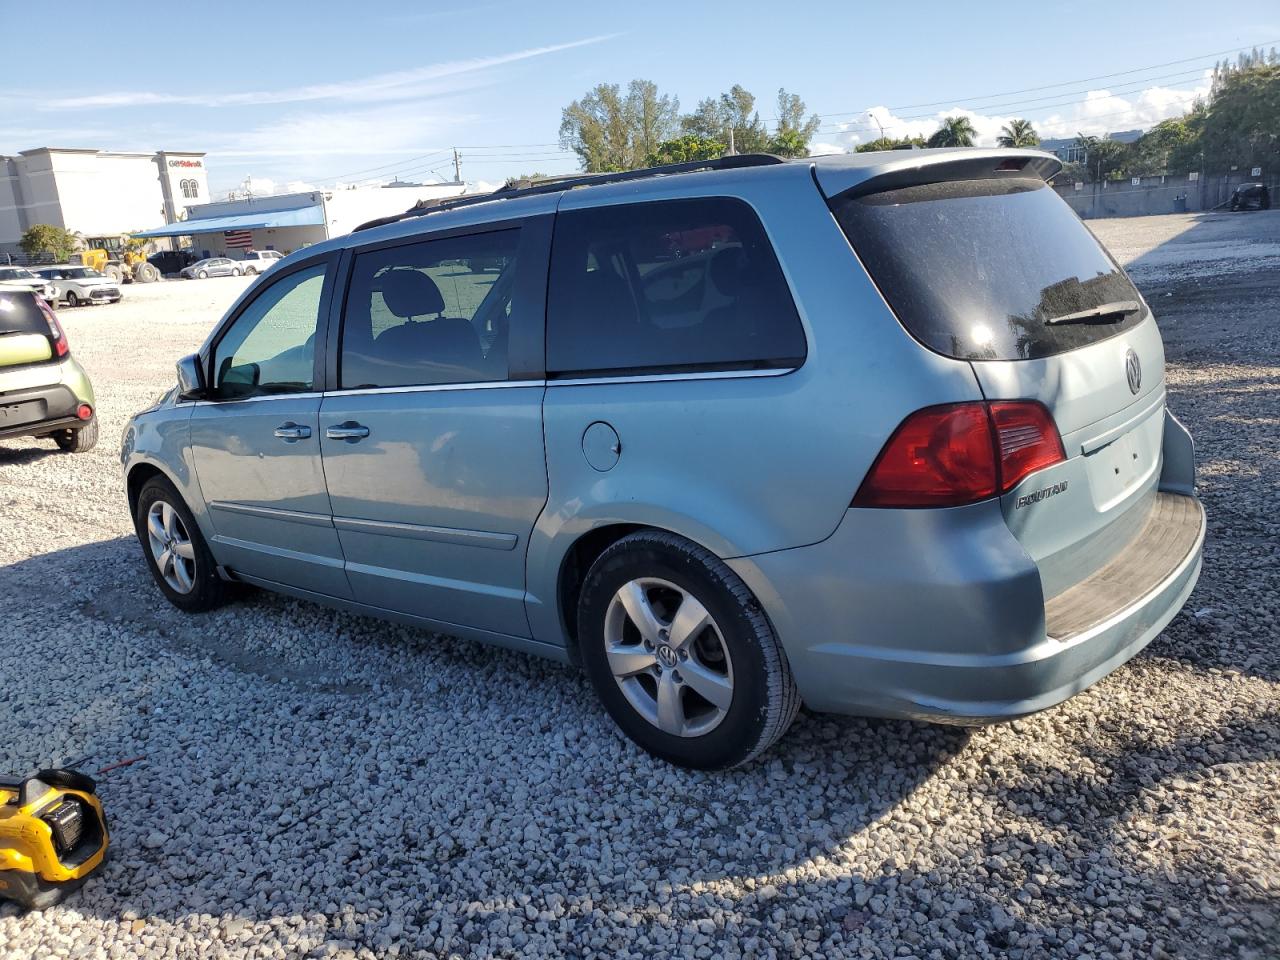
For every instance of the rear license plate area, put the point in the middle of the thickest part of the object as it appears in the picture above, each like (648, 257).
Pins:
(17, 414)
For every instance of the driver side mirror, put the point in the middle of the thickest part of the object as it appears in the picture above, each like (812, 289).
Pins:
(191, 385)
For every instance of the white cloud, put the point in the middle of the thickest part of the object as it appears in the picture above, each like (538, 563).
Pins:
(398, 85)
(1100, 112)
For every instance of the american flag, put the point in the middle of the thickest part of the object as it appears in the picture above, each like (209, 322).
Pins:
(237, 239)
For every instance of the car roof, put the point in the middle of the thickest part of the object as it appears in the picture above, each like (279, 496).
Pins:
(835, 173)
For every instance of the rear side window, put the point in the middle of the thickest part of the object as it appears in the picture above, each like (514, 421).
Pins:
(976, 269)
(20, 313)
(428, 313)
(674, 285)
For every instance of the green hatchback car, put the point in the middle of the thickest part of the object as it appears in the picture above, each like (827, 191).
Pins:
(44, 392)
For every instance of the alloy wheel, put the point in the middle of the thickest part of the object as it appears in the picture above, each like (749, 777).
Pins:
(668, 657)
(171, 547)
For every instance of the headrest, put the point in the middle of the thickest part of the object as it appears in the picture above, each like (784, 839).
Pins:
(410, 293)
(728, 267)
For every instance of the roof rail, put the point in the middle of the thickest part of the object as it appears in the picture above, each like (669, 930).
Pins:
(527, 188)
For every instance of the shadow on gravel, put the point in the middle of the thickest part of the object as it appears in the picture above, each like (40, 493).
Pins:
(18, 456)
(267, 797)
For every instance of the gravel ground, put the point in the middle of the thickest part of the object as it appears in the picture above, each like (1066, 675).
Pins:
(318, 784)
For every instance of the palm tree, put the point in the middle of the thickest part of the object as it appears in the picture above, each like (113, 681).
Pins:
(954, 132)
(1019, 133)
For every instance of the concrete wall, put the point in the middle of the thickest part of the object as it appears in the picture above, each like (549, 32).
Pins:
(1156, 195)
(347, 209)
(284, 239)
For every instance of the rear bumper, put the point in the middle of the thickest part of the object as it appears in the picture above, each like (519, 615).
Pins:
(35, 407)
(938, 614)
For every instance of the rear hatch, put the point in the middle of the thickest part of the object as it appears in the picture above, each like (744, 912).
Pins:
(24, 331)
(986, 263)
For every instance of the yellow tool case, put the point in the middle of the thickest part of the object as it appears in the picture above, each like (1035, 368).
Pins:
(52, 836)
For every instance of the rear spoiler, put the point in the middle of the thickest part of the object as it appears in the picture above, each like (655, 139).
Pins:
(889, 170)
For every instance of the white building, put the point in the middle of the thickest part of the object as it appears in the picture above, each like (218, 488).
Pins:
(291, 221)
(96, 193)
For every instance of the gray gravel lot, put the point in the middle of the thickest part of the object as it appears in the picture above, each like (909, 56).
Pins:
(320, 784)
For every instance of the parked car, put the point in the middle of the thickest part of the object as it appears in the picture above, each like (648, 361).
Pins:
(78, 285)
(1251, 196)
(212, 267)
(260, 261)
(170, 262)
(20, 278)
(44, 392)
(894, 443)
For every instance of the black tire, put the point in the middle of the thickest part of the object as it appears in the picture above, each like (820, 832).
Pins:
(208, 590)
(235, 271)
(203, 275)
(79, 439)
(764, 700)
(250, 271)
(72, 299)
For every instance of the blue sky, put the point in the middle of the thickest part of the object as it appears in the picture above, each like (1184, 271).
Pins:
(326, 92)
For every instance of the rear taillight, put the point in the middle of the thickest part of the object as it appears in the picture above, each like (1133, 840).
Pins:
(1027, 438)
(960, 453)
(56, 334)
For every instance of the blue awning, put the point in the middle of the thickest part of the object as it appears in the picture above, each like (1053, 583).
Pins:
(310, 216)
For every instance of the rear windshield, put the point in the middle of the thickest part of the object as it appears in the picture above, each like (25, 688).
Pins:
(974, 269)
(19, 313)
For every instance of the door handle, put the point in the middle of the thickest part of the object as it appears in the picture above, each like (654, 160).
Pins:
(291, 432)
(349, 431)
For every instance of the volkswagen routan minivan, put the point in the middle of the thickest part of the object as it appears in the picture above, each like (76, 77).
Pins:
(883, 434)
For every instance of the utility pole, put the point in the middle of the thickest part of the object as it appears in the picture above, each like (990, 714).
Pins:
(457, 166)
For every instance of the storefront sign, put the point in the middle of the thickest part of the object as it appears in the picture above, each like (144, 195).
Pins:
(185, 163)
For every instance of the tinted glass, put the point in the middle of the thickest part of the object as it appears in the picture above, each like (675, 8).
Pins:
(20, 313)
(672, 285)
(430, 313)
(976, 268)
(270, 349)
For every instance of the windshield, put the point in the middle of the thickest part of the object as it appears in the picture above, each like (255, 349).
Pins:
(977, 269)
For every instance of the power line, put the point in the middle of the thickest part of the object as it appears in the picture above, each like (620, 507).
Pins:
(1066, 83)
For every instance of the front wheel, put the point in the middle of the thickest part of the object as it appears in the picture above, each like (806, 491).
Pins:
(235, 271)
(80, 439)
(203, 275)
(682, 655)
(175, 550)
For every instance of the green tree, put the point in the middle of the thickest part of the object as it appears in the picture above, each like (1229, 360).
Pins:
(732, 117)
(41, 238)
(794, 131)
(1242, 124)
(889, 143)
(954, 132)
(1019, 133)
(684, 149)
(612, 131)
(523, 179)
(1154, 151)
(1105, 159)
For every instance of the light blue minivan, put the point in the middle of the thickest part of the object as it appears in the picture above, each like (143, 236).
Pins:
(885, 434)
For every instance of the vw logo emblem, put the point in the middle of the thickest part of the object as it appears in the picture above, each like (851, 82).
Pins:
(1133, 370)
(667, 656)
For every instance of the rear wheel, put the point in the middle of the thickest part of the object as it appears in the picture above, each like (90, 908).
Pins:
(250, 272)
(114, 272)
(176, 552)
(682, 655)
(80, 439)
(235, 271)
(72, 299)
(146, 273)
